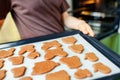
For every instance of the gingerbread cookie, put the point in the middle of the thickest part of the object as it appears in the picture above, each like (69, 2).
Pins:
(19, 71)
(5, 54)
(47, 45)
(77, 48)
(26, 48)
(49, 54)
(71, 62)
(33, 55)
(80, 74)
(16, 60)
(91, 56)
(101, 67)
(69, 40)
(26, 78)
(43, 67)
(1, 63)
(60, 75)
(2, 74)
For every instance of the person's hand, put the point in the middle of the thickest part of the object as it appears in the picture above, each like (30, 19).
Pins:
(75, 23)
(85, 28)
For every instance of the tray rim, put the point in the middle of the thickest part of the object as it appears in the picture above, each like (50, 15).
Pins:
(112, 56)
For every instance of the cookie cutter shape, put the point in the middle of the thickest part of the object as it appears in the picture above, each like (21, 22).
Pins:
(18, 71)
(91, 56)
(82, 73)
(43, 67)
(1, 63)
(26, 48)
(33, 55)
(5, 53)
(2, 74)
(16, 60)
(50, 54)
(69, 40)
(101, 67)
(60, 75)
(71, 62)
(47, 45)
(77, 48)
(26, 78)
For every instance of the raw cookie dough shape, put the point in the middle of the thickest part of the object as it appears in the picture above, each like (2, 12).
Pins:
(5, 54)
(1, 63)
(50, 54)
(80, 74)
(101, 67)
(16, 60)
(91, 56)
(60, 75)
(47, 45)
(43, 67)
(26, 78)
(69, 40)
(71, 62)
(26, 48)
(33, 55)
(19, 71)
(77, 48)
(2, 74)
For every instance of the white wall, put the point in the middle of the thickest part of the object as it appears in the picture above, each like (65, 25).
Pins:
(69, 10)
(70, 4)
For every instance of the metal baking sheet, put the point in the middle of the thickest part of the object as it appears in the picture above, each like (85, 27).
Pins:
(29, 63)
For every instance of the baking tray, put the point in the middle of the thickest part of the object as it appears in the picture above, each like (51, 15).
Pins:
(104, 54)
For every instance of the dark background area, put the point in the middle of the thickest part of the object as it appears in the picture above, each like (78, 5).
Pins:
(101, 15)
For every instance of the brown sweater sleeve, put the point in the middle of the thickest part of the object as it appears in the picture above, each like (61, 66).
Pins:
(4, 8)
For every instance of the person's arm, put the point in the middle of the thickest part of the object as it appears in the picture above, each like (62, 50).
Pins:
(74, 23)
(1, 22)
